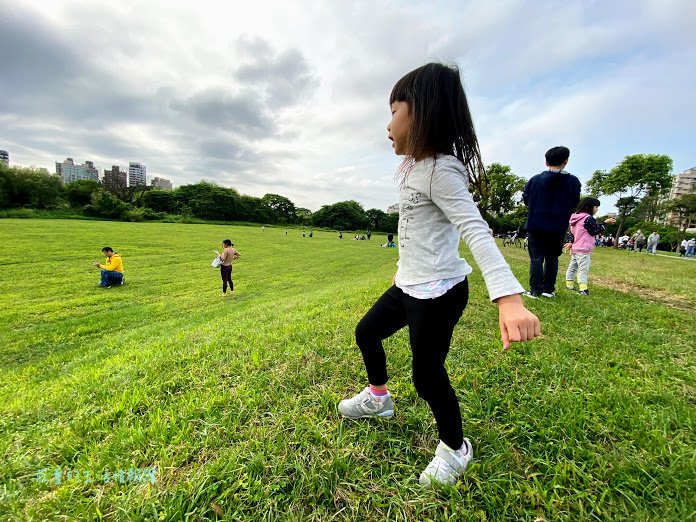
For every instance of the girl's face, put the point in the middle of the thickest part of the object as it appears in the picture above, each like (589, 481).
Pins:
(595, 209)
(399, 127)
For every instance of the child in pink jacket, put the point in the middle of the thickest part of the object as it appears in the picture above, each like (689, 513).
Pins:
(581, 240)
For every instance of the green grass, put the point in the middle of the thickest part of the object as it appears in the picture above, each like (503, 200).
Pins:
(233, 400)
(665, 278)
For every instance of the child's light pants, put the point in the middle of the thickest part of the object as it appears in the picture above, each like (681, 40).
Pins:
(580, 265)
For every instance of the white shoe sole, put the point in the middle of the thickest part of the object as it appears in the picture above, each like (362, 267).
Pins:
(385, 415)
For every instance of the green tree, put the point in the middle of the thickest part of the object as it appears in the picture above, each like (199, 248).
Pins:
(208, 201)
(133, 194)
(634, 178)
(252, 209)
(279, 208)
(344, 215)
(390, 223)
(8, 186)
(376, 217)
(651, 206)
(510, 221)
(304, 215)
(30, 187)
(160, 200)
(683, 209)
(500, 190)
(79, 193)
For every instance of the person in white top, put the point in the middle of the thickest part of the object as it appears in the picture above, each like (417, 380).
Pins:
(431, 126)
(691, 247)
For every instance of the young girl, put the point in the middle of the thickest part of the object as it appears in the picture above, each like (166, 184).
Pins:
(228, 254)
(431, 126)
(581, 241)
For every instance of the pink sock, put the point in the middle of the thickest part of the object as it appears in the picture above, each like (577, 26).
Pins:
(378, 392)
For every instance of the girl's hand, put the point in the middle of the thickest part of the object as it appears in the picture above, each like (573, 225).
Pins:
(516, 322)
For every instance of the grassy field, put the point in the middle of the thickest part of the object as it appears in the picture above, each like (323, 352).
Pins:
(230, 403)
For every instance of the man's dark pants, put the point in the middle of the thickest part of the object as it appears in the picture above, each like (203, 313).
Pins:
(110, 277)
(544, 250)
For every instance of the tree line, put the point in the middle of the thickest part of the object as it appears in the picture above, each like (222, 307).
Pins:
(641, 183)
(22, 187)
(499, 200)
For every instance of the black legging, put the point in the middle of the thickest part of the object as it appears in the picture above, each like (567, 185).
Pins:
(430, 323)
(226, 274)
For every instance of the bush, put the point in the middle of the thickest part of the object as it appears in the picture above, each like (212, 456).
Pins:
(150, 214)
(160, 200)
(79, 193)
(133, 214)
(19, 213)
(105, 204)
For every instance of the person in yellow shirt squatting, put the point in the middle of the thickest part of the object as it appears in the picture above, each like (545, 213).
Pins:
(112, 270)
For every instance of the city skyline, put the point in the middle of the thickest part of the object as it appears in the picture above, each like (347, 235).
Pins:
(290, 101)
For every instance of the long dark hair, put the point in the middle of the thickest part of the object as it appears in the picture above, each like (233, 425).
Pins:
(587, 204)
(441, 121)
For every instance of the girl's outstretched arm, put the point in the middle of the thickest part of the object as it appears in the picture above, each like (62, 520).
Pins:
(451, 194)
(516, 322)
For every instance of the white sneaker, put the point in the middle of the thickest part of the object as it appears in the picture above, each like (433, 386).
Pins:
(447, 464)
(364, 405)
(547, 294)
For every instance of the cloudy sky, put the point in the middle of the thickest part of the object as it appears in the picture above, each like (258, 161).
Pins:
(292, 97)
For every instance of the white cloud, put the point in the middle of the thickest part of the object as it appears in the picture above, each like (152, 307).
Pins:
(291, 98)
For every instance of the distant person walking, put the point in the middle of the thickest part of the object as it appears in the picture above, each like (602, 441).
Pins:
(112, 269)
(653, 240)
(550, 197)
(226, 257)
(581, 241)
(682, 248)
(369, 235)
(638, 241)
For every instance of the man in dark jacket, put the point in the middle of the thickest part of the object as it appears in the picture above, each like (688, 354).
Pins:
(551, 197)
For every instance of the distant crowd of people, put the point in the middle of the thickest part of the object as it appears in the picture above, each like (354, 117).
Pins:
(637, 242)
(688, 248)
